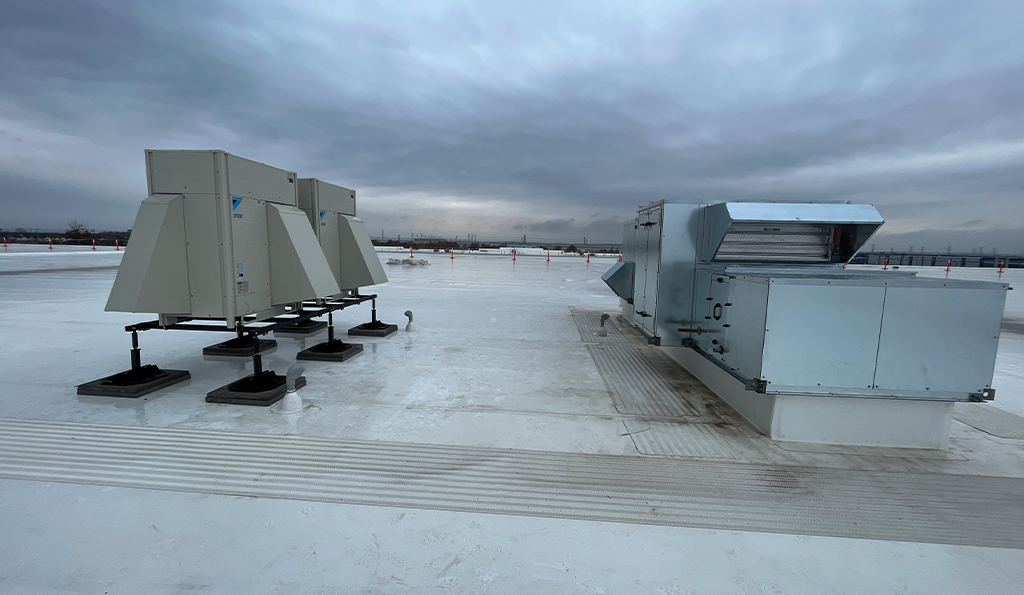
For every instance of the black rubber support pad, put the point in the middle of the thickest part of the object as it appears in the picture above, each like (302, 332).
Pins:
(229, 349)
(329, 355)
(263, 399)
(307, 328)
(358, 331)
(103, 387)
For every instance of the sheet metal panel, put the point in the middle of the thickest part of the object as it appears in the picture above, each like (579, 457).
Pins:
(251, 179)
(744, 337)
(153, 275)
(678, 256)
(298, 268)
(860, 221)
(195, 172)
(803, 212)
(701, 309)
(329, 234)
(251, 255)
(640, 270)
(202, 247)
(653, 266)
(939, 337)
(711, 309)
(180, 172)
(360, 266)
(620, 279)
(338, 199)
(821, 335)
(306, 200)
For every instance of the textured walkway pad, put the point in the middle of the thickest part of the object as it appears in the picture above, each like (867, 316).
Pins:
(990, 420)
(935, 508)
(695, 440)
(642, 383)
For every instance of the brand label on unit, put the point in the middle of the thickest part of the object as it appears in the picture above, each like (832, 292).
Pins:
(238, 269)
(322, 224)
(235, 201)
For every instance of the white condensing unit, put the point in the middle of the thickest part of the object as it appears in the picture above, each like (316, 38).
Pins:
(221, 244)
(219, 237)
(342, 236)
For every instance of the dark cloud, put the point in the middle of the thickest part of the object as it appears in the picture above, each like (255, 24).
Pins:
(39, 204)
(554, 119)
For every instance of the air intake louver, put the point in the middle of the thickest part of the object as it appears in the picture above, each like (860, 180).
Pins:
(775, 242)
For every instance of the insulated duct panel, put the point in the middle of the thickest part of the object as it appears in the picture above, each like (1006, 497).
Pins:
(153, 276)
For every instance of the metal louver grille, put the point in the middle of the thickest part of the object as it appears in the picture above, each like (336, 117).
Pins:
(775, 242)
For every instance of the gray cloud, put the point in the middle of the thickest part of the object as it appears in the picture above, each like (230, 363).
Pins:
(555, 119)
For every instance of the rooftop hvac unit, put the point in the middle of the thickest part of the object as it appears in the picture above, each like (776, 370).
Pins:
(343, 237)
(759, 291)
(219, 237)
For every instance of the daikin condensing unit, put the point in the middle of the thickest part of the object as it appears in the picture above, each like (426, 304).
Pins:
(219, 237)
(803, 347)
(343, 237)
(221, 244)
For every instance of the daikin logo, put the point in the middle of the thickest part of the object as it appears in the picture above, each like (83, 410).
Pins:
(235, 201)
(322, 213)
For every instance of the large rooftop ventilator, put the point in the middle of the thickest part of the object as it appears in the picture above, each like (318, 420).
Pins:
(755, 300)
(227, 244)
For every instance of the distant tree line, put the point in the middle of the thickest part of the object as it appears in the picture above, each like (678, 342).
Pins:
(77, 232)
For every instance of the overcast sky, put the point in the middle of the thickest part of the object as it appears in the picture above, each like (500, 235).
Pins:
(550, 119)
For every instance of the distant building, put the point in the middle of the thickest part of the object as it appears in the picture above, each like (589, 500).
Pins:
(940, 259)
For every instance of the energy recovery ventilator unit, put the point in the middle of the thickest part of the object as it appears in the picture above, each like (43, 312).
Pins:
(760, 293)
